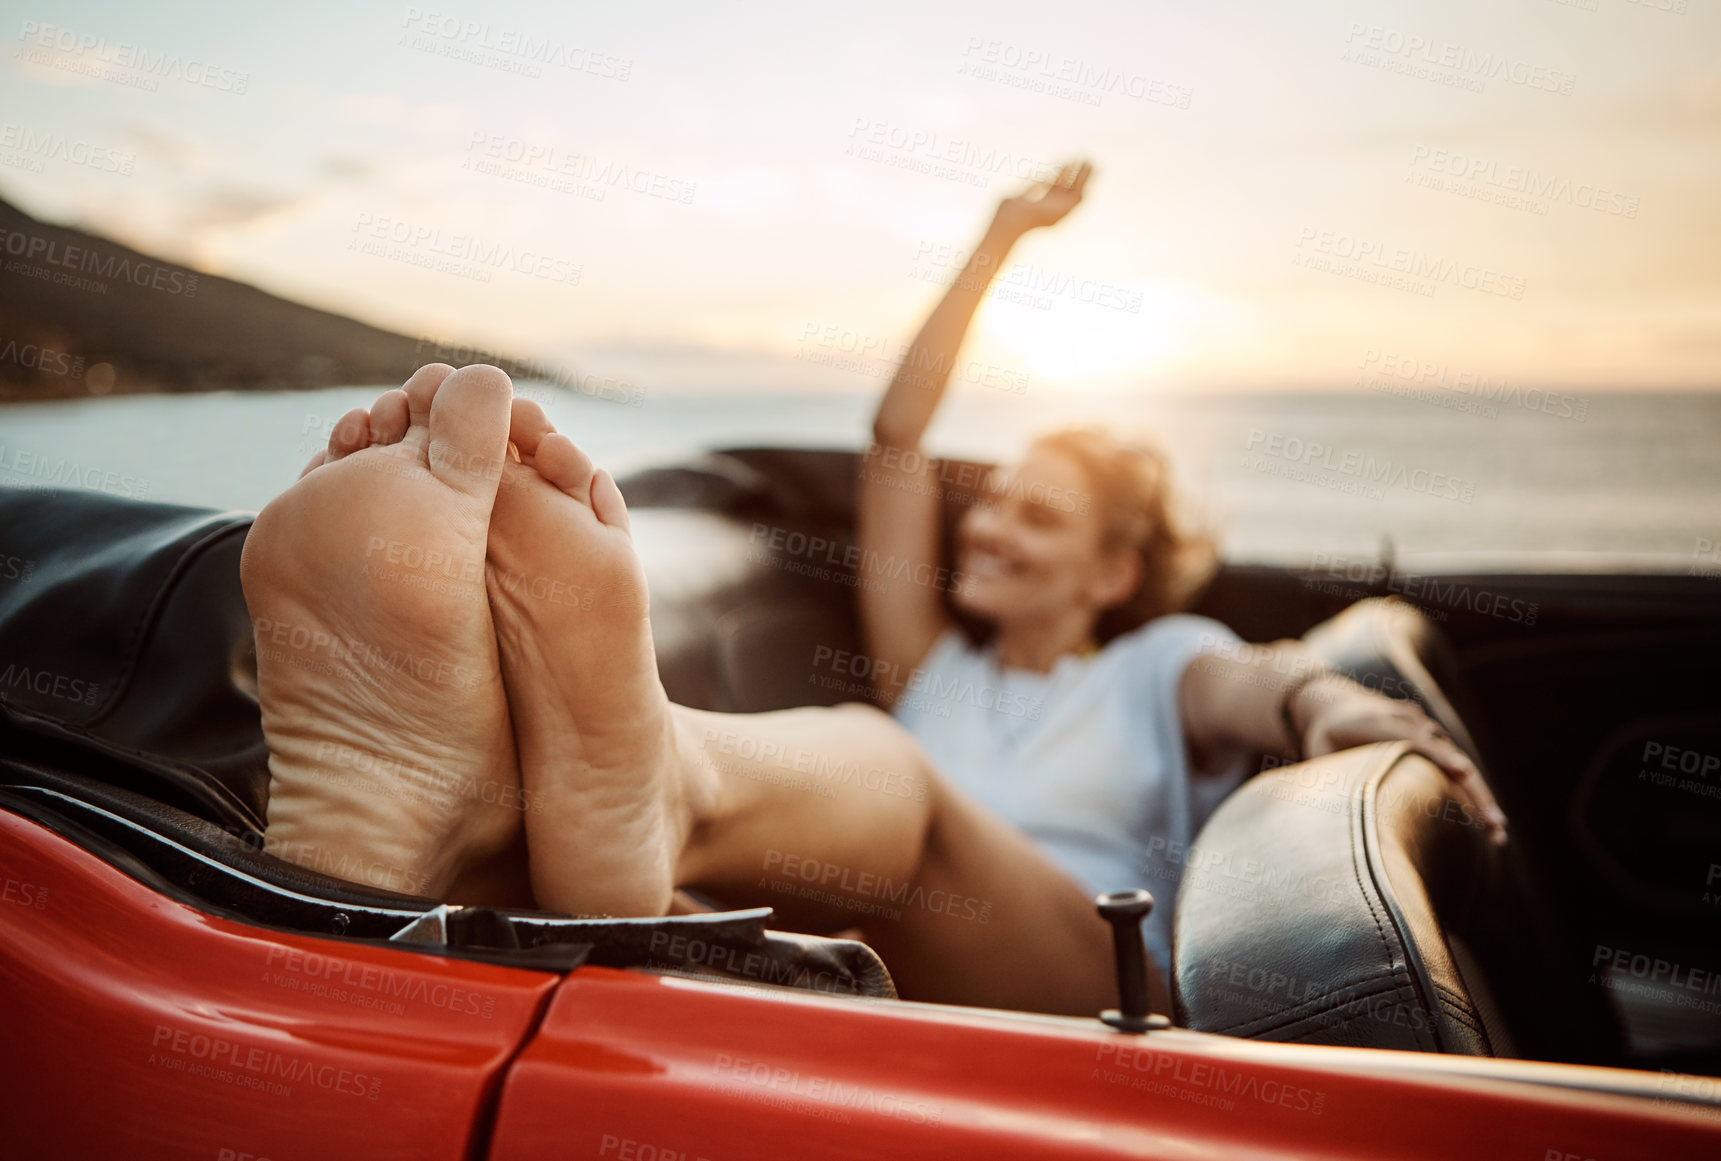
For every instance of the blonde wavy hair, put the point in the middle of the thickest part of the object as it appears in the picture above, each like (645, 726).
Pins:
(1133, 497)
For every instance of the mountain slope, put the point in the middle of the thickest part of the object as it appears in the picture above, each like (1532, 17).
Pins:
(70, 301)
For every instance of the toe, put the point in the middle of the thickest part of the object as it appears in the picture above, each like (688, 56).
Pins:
(565, 465)
(316, 462)
(527, 425)
(389, 417)
(469, 429)
(350, 434)
(607, 501)
(421, 390)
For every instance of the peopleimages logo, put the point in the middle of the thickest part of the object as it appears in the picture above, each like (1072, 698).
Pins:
(100, 57)
(40, 358)
(1446, 62)
(859, 353)
(1167, 1074)
(915, 688)
(379, 981)
(217, 1058)
(831, 878)
(503, 156)
(23, 894)
(46, 683)
(470, 254)
(757, 759)
(597, 386)
(821, 1095)
(1423, 589)
(849, 563)
(1405, 261)
(1525, 180)
(1405, 375)
(44, 146)
(74, 260)
(870, 138)
(1057, 75)
(1360, 466)
(1625, 968)
(531, 50)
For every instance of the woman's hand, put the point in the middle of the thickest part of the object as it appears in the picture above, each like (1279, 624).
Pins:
(1337, 714)
(1044, 203)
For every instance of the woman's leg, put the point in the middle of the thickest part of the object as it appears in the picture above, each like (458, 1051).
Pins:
(836, 818)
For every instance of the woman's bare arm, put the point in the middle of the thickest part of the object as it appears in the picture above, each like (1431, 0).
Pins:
(902, 613)
(1235, 701)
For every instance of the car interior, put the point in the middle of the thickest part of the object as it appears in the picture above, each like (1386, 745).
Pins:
(1366, 907)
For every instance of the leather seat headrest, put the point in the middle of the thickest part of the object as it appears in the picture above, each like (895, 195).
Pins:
(1317, 901)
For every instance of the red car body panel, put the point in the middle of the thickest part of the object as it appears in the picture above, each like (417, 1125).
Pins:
(629, 1067)
(139, 1027)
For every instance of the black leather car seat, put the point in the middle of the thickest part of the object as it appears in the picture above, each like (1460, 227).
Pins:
(747, 553)
(1336, 875)
(1356, 900)
(127, 651)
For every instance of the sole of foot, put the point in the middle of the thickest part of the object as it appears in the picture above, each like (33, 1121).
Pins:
(613, 796)
(391, 752)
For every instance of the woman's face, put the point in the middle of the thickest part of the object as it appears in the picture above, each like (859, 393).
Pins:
(1030, 550)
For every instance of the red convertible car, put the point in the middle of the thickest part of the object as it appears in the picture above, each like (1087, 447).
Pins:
(1357, 972)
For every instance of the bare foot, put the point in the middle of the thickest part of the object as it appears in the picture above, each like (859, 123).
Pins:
(613, 799)
(391, 755)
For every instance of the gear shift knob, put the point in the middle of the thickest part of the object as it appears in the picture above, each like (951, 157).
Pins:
(1125, 910)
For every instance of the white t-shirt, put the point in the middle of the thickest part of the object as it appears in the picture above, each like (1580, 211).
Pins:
(1089, 760)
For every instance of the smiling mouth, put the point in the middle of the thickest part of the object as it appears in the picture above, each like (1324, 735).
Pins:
(989, 565)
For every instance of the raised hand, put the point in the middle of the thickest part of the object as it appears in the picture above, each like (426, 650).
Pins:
(1044, 203)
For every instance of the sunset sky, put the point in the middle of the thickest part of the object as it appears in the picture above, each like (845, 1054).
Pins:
(731, 196)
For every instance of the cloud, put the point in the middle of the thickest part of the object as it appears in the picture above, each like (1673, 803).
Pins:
(342, 167)
(175, 151)
(388, 111)
(1688, 106)
(381, 109)
(198, 227)
(235, 207)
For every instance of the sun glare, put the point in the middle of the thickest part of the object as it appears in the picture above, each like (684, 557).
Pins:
(1093, 332)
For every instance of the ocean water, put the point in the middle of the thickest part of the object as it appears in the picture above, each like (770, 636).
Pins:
(1451, 481)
